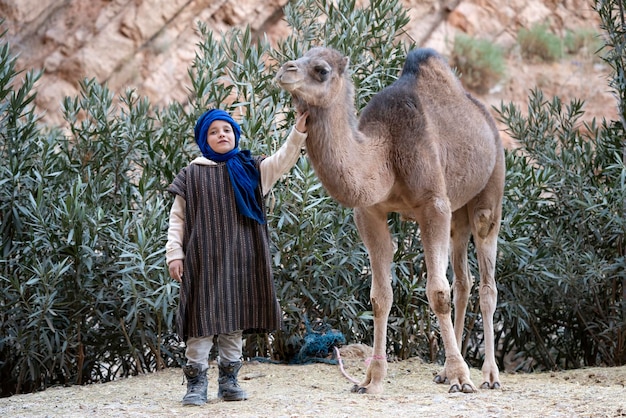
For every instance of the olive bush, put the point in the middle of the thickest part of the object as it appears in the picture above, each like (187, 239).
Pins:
(563, 252)
(563, 259)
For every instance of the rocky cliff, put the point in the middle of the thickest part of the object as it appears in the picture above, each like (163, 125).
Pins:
(149, 44)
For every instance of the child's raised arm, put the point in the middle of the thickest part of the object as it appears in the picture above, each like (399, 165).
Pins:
(287, 155)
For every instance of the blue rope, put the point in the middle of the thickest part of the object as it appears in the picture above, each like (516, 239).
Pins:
(316, 346)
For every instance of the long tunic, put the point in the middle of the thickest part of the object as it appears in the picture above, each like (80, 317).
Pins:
(227, 283)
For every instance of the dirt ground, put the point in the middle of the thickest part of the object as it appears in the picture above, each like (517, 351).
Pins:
(320, 390)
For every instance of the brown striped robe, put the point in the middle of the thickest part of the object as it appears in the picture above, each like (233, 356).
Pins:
(227, 284)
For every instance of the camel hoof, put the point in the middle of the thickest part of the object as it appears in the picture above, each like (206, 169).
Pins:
(468, 388)
(465, 388)
(358, 389)
(487, 385)
(440, 380)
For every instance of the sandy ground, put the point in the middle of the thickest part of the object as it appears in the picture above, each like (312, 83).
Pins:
(320, 390)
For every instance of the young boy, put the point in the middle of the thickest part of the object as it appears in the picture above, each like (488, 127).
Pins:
(218, 249)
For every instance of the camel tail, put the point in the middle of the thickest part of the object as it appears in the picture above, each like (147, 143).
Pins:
(416, 58)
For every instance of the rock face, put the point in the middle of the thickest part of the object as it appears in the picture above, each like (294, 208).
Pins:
(147, 44)
(150, 44)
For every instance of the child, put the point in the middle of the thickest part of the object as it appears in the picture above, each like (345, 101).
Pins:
(218, 249)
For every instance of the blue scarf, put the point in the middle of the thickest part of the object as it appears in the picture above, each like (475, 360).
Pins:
(243, 173)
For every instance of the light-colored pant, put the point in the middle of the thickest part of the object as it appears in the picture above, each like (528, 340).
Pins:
(229, 348)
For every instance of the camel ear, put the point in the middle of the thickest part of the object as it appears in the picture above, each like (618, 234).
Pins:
(343, 65)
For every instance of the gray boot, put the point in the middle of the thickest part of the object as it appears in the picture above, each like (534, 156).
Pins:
(228, 388)
(197, 384)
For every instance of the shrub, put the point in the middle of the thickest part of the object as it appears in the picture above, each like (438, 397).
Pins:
(85, 295)
(561, 270)
(584, 40)
(480, 62)
(537, 43)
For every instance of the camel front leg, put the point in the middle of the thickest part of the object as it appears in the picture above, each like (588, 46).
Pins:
(486, 225)
(434, 221)
(372, 227)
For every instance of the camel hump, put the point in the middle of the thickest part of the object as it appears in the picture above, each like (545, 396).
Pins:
(416, 58)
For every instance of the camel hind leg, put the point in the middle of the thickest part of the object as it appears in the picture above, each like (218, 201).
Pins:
(485, 227)
(373, 229)
(485, 217)
(462, 281)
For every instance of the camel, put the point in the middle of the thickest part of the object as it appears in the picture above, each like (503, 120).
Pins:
(428, 150)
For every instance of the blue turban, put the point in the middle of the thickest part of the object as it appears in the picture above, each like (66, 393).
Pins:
(244, 176)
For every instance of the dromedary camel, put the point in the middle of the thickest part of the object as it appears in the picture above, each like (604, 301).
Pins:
(423, 148)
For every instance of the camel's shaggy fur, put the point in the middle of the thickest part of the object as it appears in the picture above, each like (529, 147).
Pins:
(423, 148)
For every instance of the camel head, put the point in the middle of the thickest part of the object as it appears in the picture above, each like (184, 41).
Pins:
(317, 79)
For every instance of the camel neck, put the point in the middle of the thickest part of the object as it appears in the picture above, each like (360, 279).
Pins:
(340, 154)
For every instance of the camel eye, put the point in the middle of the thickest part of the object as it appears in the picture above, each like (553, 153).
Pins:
(322, 73)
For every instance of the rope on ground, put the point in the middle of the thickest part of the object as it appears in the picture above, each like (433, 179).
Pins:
(315, 346)
(343, 371)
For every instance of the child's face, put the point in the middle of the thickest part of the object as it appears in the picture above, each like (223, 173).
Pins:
(221, 137)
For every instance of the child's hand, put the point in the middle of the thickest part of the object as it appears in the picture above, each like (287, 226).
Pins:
(301, 121)
(176, 270)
